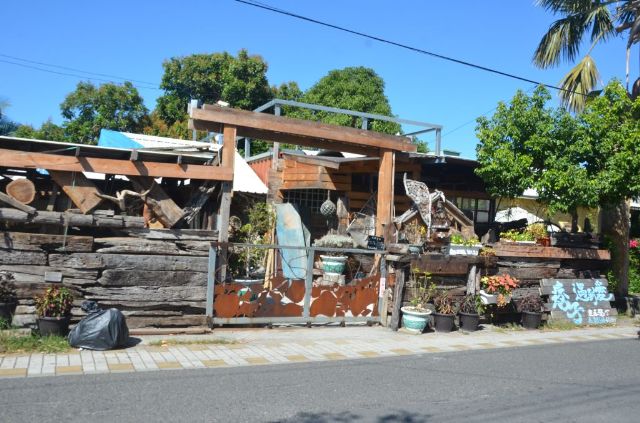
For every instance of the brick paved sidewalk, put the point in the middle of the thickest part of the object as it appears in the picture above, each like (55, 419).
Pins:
(251, 347)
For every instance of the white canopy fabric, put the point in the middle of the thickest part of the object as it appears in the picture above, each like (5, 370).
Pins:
(245, 179)
(517, 213)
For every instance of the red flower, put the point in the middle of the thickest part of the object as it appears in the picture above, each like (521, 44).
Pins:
(633, 243)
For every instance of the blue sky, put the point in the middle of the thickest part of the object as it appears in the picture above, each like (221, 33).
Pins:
(131, 39)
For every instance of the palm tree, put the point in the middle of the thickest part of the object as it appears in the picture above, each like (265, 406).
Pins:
(601, 20)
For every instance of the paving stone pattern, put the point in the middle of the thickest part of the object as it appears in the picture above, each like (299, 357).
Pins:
(263, 347)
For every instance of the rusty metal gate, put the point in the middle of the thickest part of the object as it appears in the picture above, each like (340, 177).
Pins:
(294, 300)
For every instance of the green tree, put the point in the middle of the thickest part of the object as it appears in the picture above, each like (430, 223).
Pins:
(48, 131)
(592, 159)
(89, 109)
(352, 88)
(601, 21)
(7, 126)
(240, 81)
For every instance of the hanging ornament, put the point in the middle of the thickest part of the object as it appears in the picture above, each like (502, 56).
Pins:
(328, 208)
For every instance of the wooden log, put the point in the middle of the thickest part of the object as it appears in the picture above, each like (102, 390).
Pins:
(444, 265)
(114, 277)
(40, 242)
(529, 272)
(82, 192)
(22, 190)
(7, 199)
(71, 219)
(163, 207)
(95, 261)
(156, 247)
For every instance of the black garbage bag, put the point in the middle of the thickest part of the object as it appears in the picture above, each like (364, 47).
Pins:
(100, 329)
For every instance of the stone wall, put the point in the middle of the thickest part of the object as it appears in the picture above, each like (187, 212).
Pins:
(157, 278)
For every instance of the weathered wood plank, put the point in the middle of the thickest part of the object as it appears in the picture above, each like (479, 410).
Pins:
(136, 322)
(39, 242)
(568, 282)
(513, 250)
(163, 207)
(22, 257)
(114, 277)
(398, 291)
(30, 160)
(80, 190)
(176, 294)
(175, 234)
(529, 272)
(95, 261)
(444, 265)
(119, 245)
(35, 273)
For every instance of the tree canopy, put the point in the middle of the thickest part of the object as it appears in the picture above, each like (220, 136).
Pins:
(352, 88)
(589, 159)
(110, 106)
(240, 81)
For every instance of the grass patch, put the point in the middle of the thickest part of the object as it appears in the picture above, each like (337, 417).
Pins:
(509, 327)
(13, 343)
(214, 341)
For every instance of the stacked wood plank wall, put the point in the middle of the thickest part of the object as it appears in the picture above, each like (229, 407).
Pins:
(158, 278)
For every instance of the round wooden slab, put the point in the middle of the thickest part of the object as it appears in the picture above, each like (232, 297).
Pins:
(21, 190)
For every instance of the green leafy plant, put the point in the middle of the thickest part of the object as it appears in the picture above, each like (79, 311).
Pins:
(459, 239)
(634, 267)
(537, 230)
(424, 289)
(487, 252)
(444, 303)
(55, 302)
(7, 288)
(515, 235)
(260, 221)
(14, 343)
(472, 304)
(531, 303)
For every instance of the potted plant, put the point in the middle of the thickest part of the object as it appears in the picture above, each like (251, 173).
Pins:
(531, 307)
(521, 237)
(8, 298)
(445, 312)
(539, 232)
(54, 311)
(470, 309)
(415, 317)
(497, 289)
(459, 245)
(334, 262)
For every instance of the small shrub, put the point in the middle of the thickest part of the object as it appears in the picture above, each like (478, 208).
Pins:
(459, 239)
(55, 302)
(334, 241)
(444, 303)
(472, 304)
(7, 288)
(531, 303)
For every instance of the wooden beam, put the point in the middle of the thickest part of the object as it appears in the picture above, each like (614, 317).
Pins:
(313, 160)
(504, 249)
(80, 190)
(305, 141)
(385, 192)
(300, 127)
(28, 160)
(229, 147)
(4, 198)
(70, 219)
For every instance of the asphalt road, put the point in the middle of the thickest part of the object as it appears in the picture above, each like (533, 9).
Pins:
(582, 382)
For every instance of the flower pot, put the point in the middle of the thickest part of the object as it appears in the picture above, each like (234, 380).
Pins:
(415, 249)
(333, 264)
(469, 321)
(415, 320)
(7, 310)
(48, 326)
(463, 250)
(544, 242)
(531, 320)
(444, 322)
(492, 298)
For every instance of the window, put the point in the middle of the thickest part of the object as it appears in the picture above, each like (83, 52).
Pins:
(311, 199)
(478, 210)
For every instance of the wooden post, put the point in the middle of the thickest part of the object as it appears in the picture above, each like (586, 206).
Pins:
(397, 299)
(228, 156)
(385, 192)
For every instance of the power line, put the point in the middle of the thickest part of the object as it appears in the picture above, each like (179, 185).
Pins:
(404, 46)
(92, 78)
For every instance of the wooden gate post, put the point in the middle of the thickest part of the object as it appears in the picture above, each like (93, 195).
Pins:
(228, 156)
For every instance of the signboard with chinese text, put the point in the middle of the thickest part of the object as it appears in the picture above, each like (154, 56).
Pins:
(580, 301)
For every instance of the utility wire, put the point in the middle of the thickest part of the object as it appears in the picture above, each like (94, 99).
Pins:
(20, 59)
(404, 46)
(92, 78)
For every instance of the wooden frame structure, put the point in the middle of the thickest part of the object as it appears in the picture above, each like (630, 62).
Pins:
(239, 123)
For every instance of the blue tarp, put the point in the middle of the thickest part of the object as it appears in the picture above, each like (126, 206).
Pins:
(116, 139)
